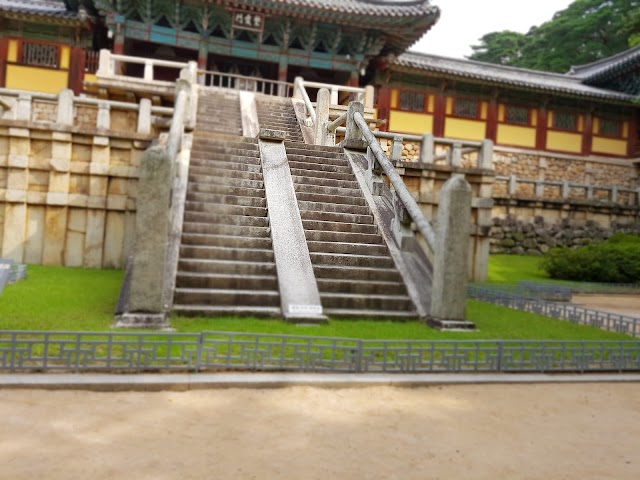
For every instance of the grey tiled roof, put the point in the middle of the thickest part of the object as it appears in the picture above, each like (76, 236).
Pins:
(521, 78)
(386, 8)
(607, 67)
(54, 8)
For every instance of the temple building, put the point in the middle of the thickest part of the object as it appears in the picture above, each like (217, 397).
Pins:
(592, 111)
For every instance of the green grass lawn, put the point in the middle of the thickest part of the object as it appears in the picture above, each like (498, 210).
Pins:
(58, 298)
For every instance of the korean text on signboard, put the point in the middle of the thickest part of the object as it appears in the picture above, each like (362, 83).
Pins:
(243, 20)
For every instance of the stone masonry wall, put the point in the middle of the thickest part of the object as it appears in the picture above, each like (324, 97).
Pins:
(67, 196)
(509, 235)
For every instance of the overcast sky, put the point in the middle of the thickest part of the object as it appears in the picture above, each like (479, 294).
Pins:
(463, 22)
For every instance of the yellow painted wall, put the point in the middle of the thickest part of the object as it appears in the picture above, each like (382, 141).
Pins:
(91, 77)
(464, 129)
(609, 145)
(36, 79)
(501, 112)
(449, 106)
(484, 109)
(65, 56)
(407, 122)
(564, 142)
(394, 98)
(516, 136)
(431, 102)
(12, 53)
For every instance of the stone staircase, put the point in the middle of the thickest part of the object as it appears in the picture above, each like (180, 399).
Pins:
(226, 261)
(277, 114)
(355, 273)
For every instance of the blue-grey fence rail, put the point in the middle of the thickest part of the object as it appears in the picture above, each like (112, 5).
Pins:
(22, 351)
(512, 298)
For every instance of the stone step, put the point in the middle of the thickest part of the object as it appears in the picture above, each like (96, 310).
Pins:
(343, 237)
(213, 170)
(339, 227)
(233, 310)
(225, 178)
(230, 163)
(226, 266)
(226, 190)
(227, 281)
(217, 150)
(361, 287)
(340, 162)
(192, 226)
(315, 151)
(370, 314)
(350, 248)
(233, 129)
(217, 297)
(302, 172)
(226, 199)
(333, 207)
(226, 253)
(216, 217)
(366, 301)
(336, 217)
(339, 199)
(320, 167)
(223, 209)
(325, 182)
(324, 190)
(357, 273)
(350, 260)
(231, 241)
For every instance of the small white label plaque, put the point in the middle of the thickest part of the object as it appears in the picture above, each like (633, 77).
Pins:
(305, 309)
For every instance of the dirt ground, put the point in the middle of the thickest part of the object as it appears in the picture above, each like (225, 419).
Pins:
(578, 431)
(621, 304)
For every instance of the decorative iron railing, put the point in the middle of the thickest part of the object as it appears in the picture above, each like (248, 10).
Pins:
(25, 351)
(513, 298)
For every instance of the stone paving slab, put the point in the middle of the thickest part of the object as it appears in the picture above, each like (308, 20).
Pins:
(183, 382)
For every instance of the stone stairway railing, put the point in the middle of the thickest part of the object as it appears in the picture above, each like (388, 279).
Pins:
(565, 190)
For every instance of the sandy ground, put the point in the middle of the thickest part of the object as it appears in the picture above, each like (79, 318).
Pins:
(454, 432)
(621, 304)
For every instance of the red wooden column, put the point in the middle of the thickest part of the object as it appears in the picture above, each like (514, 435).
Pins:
(491, 131)
(439, 111)
(4, 48)
(587, 134)
(76, 70)
(384, 106)
(541, 127)
(633, 142)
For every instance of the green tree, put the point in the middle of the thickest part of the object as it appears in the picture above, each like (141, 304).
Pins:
(586, 31)
(503, 47)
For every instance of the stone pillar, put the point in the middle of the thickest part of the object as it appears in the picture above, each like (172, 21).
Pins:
(353, 137)
(104, 116)
(23, 107)
(322, 115)
(144, 116)
(145, 305)
(369, 95)
(97, 202)
(450, 271)
(65, 107)
(427, 149)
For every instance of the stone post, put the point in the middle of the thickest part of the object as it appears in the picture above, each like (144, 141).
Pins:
(353, 136)
(322, 115)
(427, 149)
(486, 155)
(144, 116)
(104, 116)
(450, 271)
(23, 108)
(145, 306)
(369, 93)
(105, 66)
(297, 92)
(455, 155)
(65, 107)
(148, 71)
(396, 149)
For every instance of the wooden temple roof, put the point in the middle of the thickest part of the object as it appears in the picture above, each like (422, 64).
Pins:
(45, 11)
(500, 75)
(609, 67)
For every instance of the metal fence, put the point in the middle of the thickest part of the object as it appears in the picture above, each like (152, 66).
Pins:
(512, 298)
(22, 351)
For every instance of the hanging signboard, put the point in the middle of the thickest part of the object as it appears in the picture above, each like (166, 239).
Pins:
(245, 20)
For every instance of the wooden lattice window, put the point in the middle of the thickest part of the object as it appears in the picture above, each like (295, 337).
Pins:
(609, 127)
(465, 107)
(412, 101)
(565, 121)
(517, 115)
(39, 54)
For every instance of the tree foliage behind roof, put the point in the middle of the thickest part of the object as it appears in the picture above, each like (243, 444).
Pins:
(586, 31)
